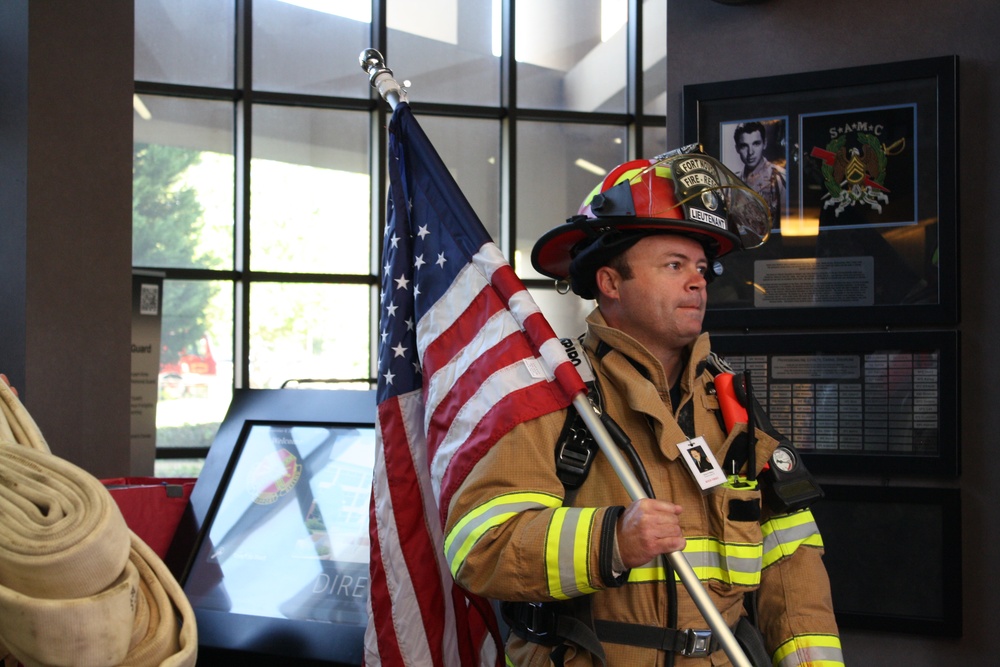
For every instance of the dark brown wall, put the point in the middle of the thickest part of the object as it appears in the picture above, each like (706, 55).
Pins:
(66, 223)
(708, 41)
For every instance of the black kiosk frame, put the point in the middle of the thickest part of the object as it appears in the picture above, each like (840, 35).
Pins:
(275, 538)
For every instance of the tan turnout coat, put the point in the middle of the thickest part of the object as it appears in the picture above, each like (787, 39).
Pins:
(513, 559)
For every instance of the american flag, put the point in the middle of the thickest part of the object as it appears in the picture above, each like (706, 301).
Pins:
(465, 355)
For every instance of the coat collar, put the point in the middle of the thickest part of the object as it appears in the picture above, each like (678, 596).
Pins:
(625, 363)
(601, 335)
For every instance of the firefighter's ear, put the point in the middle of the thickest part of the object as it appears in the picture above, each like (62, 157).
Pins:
(607, 280)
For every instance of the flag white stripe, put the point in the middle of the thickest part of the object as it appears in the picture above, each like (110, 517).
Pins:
(497, 327)
(494, 389)
(411, 406)
(553, 353)
(523, 306)
(489, 259)
(405, 608)
(398, 581)
(450, 306)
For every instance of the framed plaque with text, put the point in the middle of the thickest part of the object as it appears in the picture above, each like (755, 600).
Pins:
(859, 403)
(858, 166)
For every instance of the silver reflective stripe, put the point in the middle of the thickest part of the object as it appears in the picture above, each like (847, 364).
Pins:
(730, 563)
(785, 534)
(571, 522)
(469, 532)
(708, 564)
(567, 552)
(818, 655)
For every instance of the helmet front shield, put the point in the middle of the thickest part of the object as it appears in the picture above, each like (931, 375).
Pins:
(704, 192)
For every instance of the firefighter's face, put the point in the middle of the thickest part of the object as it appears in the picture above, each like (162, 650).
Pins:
(662, 303)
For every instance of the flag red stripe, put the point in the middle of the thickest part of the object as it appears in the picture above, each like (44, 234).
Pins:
(466, 635)
(416, 543)
(536, 327)
(442, 349)
(506, 282)
(567, 376)
(506, 352)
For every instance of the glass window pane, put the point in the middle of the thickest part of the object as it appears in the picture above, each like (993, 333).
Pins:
(558, 164)
(182, 184)
(654, 140)
(185, 42)
(564, 312)
(654, 57)
(196, 362)
(307, 331)
(311, 46)
(310, 203)
(446, 50)
(471, 150)
(178, 467)
(571, 55)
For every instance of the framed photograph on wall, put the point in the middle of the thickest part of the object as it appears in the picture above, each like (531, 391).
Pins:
(879, 403)
(858, 166)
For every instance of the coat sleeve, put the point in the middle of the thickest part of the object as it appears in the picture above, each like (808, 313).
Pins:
(508, 536)
(794, 601)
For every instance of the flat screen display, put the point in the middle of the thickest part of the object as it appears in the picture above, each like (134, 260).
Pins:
(281, 562)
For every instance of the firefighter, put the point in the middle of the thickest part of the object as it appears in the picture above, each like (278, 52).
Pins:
(573, 558)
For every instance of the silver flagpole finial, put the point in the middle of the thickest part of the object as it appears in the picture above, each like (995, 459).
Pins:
(381, 78)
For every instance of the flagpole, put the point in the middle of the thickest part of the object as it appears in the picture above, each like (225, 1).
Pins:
(382, 80)
(677, 559)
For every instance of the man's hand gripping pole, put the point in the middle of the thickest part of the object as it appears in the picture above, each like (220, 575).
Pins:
(589, 414)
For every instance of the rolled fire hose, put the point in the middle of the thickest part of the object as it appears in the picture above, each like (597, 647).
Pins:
(16, 425)
(77, 587)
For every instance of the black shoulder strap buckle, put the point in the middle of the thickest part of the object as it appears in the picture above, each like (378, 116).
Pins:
(574, 452)
(576, 447)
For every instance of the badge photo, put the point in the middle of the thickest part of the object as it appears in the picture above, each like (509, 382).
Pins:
(701, 463)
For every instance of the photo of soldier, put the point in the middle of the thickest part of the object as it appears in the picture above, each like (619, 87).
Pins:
(756, 151)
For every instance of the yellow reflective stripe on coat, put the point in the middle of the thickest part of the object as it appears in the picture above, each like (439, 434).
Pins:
(811, 651)
(567, 552)
(784, 534)
(731, 563)
(464, 534)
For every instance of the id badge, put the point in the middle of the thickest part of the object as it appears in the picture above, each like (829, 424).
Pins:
(701, 463)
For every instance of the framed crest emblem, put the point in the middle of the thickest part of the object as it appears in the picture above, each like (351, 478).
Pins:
(858, 166)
